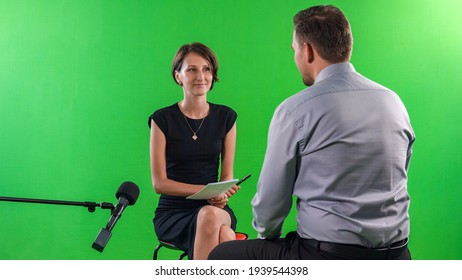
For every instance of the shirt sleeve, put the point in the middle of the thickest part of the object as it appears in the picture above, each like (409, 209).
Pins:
(230, 119)
(159, 118)
(273, 200)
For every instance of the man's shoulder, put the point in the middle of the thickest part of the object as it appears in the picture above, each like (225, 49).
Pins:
(327, 88)
(302, 97)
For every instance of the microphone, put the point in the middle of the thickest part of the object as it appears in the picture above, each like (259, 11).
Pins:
(127, 194)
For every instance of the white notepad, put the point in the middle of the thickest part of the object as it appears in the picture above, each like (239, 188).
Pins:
(213, 189)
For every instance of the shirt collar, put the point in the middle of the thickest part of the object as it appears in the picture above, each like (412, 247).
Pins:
(334, 69)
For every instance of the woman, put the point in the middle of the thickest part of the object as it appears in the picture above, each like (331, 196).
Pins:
(188, 139)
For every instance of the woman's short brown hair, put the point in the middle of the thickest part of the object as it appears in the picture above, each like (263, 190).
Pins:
(202, 50)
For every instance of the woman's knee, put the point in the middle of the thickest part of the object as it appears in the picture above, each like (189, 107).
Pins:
(207, 215)
(226, 234)
(211, 216)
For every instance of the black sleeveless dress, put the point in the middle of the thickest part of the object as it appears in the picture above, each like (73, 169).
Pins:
(193, 162)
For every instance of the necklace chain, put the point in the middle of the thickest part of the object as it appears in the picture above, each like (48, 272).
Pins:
(194, 137)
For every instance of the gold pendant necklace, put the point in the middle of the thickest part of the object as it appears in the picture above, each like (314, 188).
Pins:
(194, 137)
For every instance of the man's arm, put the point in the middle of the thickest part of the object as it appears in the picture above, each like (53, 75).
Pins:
(273, 200)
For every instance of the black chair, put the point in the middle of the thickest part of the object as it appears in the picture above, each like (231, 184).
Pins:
(168, 246)
(239, 236)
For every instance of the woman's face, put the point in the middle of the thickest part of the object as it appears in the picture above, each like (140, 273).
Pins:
(195, 75)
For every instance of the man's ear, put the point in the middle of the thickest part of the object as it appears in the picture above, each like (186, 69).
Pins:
(308, 48)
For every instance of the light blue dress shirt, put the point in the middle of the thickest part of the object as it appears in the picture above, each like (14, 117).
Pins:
(342, 148)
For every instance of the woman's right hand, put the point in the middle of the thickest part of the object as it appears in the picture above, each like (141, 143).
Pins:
(219, 201)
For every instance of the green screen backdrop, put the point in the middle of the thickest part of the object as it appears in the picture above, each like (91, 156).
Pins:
(78, 80)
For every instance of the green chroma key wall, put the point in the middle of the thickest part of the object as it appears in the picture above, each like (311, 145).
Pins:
(78, 80)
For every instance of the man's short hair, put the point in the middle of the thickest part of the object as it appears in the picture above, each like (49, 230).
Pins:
(327, 29)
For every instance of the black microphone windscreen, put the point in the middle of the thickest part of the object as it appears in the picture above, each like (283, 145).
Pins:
(129, 190)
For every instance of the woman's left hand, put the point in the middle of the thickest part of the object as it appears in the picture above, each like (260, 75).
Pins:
(232, 191)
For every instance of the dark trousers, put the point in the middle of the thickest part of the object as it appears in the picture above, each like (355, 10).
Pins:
(293, 247)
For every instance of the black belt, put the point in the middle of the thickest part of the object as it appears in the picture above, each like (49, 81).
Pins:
(360, 252)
